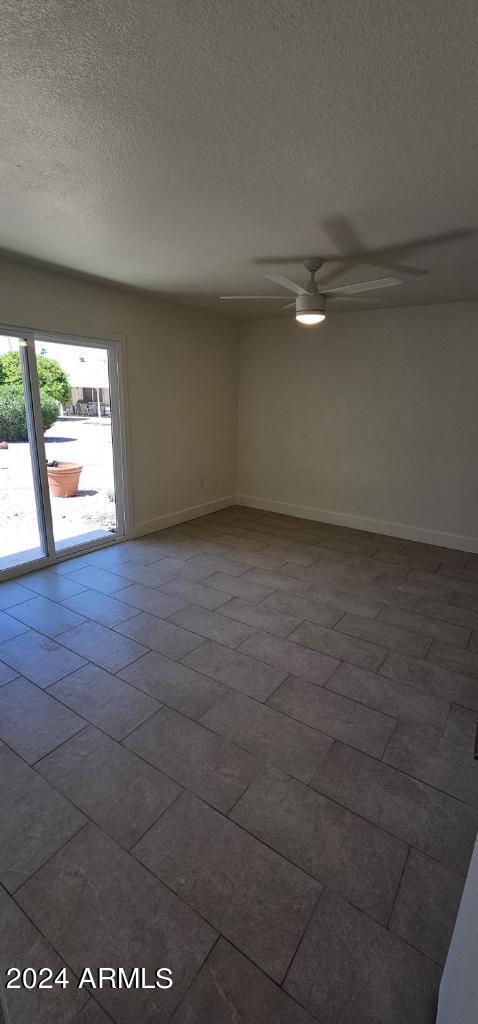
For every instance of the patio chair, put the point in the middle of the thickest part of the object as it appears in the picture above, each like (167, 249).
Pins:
(82, 408)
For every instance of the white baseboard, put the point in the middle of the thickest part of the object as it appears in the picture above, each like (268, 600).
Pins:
(445, 540)
(184, 514)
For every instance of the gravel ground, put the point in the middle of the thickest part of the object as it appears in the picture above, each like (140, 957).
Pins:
(70, 439)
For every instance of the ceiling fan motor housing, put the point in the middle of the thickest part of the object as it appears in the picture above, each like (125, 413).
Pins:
(310, 303)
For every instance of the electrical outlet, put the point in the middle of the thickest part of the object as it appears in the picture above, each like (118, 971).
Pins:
(202, 481)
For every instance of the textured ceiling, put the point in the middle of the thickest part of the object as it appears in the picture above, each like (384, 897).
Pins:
(167, 144)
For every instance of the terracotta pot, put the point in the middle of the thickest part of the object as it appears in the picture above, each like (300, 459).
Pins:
(63, 479)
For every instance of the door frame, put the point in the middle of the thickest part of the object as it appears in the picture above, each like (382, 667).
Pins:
(116, 350)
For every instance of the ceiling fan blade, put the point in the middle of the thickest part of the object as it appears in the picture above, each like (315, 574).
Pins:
(401, 268)
(251, 296)
(278, 260)
(342, 298)
(287, 283)
(352, 251)
(362, 286)
(342, 234)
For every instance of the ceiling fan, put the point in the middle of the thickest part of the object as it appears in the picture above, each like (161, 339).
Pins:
(310, 303)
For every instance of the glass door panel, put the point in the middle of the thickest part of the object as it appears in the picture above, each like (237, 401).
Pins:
(22, 530)
(79, 442)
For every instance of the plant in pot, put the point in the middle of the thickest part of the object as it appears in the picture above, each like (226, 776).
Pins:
(63, 478)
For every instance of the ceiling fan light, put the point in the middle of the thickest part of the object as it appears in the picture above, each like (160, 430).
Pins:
(310, 319)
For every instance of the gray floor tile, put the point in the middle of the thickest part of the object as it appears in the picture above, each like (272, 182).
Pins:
(462, 727)
(252, 895)
(436, 824)
(429, 627)
(454, 658)
(356, 858)
(431, 678)
(236, 670)
(302, 607)
(162, 636)
(233, 537)
(10, 627)
(92, 1014)
(435, 552)
(273, 737)
(334, 715)
(296, 553)
(259, 617)
(290, 657)
(383, 591)
(116, 906)
(389, 562)
(107, 648)
(336, 644)
(470, 573)
(391, 637)
(148, 575)
(36, 820)
(98, 579)
(350, 969)
(449, 613)
(425, 911)
(188, 592)
(104, 700)
(38, 658)
(70, 565)
(128, 553)
(196, 758)
(153, 601)
(440, 584)
(21, 945)
(272, 559)
(392, 697)
(51, 584)
(100, 607)
(238, 586)
(200, 566)
(229, 989)
(32, 722)
(327, 571)
(173, 684)
(113, 787)
(46, 616)
(212, 626)
(348, 827)
(270, 581)
(410, 590)
(12, 593)
(366, 607)
(6, 674)
(421, 752)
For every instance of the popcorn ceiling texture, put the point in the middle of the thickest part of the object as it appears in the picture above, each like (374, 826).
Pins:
(165, 145)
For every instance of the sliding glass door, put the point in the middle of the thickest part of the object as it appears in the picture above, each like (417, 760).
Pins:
(22, 535)
(61, 449)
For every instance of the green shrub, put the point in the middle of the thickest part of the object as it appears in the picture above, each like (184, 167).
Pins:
(50, 375)
(13, 420)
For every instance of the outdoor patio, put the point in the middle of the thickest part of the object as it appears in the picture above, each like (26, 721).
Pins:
(86, 440)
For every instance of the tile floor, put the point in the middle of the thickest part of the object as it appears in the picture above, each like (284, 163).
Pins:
(241, 749)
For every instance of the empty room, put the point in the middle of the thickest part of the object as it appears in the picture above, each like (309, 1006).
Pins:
(238, 512)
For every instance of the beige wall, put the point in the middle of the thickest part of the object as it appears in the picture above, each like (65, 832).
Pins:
(370, 420)
(181, 372)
